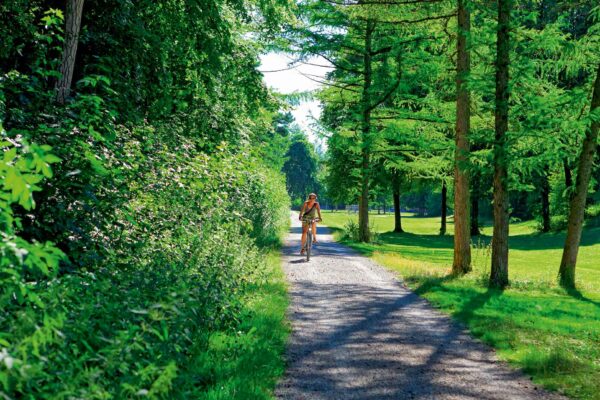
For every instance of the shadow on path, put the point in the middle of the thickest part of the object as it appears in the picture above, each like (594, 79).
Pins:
(359, 334)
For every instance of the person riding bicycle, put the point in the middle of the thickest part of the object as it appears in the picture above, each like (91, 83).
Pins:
(309, 210)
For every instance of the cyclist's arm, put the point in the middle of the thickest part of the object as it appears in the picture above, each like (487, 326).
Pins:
(302, 211)
(319, 211)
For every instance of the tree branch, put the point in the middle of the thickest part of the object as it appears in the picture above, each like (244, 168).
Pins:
(410, 21)
(378, 3)
(307, 76)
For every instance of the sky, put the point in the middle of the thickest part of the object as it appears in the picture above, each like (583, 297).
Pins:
(279, 76)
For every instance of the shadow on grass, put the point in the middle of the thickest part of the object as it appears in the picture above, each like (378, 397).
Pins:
(535, 241)
(467, 311)
(554, 362)
(576, 294)
(473, 299)
(417, 240)
(548, 241)
(429, 283)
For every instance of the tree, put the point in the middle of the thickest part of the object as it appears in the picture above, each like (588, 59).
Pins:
(566, 271)
(396, 198)
(300, 169)
(273, 144)
(444, 208)
(366, 108)
(499, 271)
(462, 233)
(545, 201)
(72, 28)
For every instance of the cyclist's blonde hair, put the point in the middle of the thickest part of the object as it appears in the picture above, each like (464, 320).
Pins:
(312, 194)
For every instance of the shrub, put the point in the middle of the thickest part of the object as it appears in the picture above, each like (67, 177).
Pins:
(592, 215)
(350, 230)
(22, 262)
(558, 222)
(148, 233)
(172, 259)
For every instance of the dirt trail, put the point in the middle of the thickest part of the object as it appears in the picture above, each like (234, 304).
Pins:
(359, 334)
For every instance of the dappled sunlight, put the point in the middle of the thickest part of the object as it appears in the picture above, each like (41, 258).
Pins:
(533, 257)
(534, 322)
(359, 334)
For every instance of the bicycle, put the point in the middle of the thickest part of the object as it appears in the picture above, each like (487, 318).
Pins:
(309, 238)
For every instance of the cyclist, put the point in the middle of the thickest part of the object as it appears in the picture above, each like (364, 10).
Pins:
(309, 210)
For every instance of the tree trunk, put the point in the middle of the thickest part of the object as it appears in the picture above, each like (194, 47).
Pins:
(566, 273)
(363, 215)
(475, 214)
(499, 272)
(568, 175)
(396, 196)
(444, 208)
(462, 237)
(73, 25)
(545, 195)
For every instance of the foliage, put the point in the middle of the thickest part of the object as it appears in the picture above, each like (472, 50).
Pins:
(389, 104)
(300, 169)
(22, 262)
(139, 270)
(350, 231)
(175, 275)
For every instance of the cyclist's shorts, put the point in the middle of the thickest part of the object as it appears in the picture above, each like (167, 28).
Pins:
(306, 220)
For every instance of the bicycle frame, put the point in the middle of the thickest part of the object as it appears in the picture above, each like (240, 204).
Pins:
(309, 238)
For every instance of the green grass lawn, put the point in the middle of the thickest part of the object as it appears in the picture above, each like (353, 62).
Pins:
(552, 334)
(247, 364)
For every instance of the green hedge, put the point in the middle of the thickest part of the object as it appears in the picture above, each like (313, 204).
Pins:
(165, 266)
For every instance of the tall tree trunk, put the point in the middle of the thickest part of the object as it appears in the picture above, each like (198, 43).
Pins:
(363, 215)
(499, 272)
(73, 25)
(475, 214)
(396, 196)
(444, 208)
(545, 195)
(566, 273)
(462, 237)
(568, 175)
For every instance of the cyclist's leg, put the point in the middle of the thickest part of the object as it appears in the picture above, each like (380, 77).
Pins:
(304, 230)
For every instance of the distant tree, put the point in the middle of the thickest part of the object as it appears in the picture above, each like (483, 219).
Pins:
(300, 168)
(444, 208)
(396, 198)
(273, 144)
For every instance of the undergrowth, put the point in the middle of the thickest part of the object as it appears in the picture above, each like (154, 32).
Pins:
(183, 302)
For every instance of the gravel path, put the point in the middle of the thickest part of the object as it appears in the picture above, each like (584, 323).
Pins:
(359, 334)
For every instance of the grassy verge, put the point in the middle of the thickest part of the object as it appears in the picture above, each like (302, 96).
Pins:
(247, 364)
(553, 335)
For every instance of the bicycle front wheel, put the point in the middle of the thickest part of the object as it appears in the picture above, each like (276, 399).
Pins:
(308, 244)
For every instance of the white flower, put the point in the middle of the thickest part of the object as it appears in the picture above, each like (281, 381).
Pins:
(8, 360)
